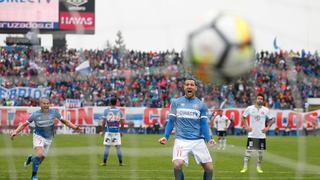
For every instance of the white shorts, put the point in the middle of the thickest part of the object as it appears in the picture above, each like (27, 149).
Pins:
(198, 148)
(112, 138)
(39, 141)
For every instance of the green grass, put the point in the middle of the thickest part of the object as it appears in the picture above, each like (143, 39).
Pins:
(79, 156)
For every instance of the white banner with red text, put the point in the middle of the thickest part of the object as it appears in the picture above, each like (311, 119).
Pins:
(11, 117)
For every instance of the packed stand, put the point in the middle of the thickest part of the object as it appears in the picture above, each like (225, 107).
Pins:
(152, 79)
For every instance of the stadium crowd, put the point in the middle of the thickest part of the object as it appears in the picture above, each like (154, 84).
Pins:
(152, 79)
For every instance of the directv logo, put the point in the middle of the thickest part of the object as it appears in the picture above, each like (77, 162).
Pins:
(25, 1)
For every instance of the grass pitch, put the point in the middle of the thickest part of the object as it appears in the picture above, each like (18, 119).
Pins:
(78, 157)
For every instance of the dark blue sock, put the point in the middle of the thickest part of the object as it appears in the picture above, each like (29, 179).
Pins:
(178, 174)
(35, 165)
(119, 153)
(182, 176)
(106, 154)
(207, 175)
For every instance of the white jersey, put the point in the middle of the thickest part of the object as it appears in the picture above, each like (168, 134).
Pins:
(258, 118)
(221, 123)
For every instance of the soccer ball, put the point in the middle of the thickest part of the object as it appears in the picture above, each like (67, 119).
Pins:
(221, 50)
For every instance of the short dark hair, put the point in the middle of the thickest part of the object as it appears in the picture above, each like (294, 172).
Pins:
(192, 79)
(113, 101)
(261, 95)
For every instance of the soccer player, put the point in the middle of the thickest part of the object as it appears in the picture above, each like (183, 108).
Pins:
(221, 123)
(260, 121)
(43, 133)
(112, 124)
(188, 115)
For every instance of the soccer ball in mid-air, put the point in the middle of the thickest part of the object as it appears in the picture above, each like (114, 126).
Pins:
(220, 50)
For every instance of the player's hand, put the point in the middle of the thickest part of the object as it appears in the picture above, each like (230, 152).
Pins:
(248, 129)
(121, 134)
(102, 133)
(265, 130)
(163, 140)
(211, 142)
(13, 134)
(78, 129)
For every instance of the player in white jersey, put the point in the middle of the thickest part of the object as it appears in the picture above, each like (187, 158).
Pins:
(221, 123)
(43, 133)
(188, 115)
(112, 125)
(260, 121)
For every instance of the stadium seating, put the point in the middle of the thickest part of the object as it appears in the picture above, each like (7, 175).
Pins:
(151, 79)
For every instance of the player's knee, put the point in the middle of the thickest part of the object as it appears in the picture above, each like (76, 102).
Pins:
(208, 167)
(41, 156)
(177, 164)
(40, 152)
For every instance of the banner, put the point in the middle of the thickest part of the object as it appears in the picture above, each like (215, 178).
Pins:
(77, 16)
(28, 25)
(91, 116)
(73, 21)
(15, 92)
(73, 103)
(29, 13)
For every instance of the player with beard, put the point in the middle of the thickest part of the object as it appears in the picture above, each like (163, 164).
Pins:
(188, 114)
(260, 122)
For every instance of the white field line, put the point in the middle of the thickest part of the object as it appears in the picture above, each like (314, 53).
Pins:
(145, 152)
(170, 177)
(9, 159)
(77, 168)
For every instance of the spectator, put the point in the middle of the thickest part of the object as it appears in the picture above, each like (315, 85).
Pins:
(156, 127)
(131, 127)
(141, 130)
(142, 79)
(150, 130)
(287, 130)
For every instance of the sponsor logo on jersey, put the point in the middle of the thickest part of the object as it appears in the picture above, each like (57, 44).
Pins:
(188, 113)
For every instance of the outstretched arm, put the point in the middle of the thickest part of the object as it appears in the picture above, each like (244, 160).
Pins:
(70, 124)
(19, 128)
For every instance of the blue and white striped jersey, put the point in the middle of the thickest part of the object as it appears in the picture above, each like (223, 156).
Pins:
(189, 116)
(44, 122)
(113, 116)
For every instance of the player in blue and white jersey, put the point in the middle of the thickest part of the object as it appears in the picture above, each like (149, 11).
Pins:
(188, 115)
(260, 121)
(112, 125)
(43, 133)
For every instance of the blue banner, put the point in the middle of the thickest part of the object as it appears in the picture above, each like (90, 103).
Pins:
(15, 92)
